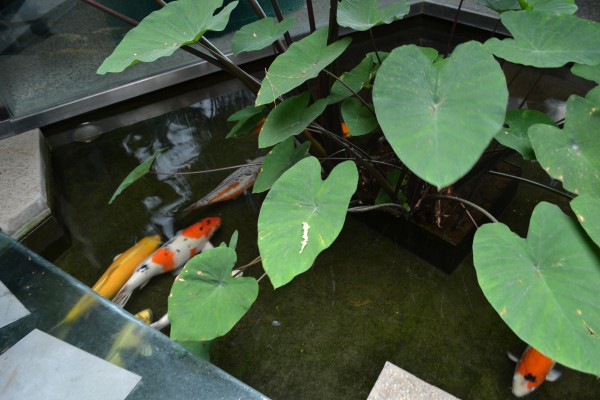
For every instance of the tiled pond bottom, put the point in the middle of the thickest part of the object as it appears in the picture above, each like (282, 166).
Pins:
(328, 334)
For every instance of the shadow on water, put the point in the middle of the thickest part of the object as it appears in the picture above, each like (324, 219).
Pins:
(327, 334)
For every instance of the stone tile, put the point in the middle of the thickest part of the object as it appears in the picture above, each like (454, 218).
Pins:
(23, 199)
(396, 384)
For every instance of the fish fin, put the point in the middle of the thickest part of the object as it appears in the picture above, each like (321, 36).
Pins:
(177, 271)
(122, 297)
(207, 246)
(146, 350)
(117, 256)
(161, 323)
(553, 375)
(512, 357)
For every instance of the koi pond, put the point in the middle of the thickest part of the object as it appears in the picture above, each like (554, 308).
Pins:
(327, 334)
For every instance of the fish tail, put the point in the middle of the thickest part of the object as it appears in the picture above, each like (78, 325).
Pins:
(123, 296)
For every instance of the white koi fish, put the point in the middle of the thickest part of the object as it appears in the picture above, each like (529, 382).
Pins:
(171, 256)
(232, 186)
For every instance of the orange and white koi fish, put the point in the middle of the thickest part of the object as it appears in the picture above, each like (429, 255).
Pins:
(532, 369)
(232, 186)
(171, 256)
(111, 281)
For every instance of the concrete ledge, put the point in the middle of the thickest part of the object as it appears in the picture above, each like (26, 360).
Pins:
(396, 384)
(23, 199)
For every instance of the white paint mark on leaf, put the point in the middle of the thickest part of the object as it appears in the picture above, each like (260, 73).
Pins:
(305, 228)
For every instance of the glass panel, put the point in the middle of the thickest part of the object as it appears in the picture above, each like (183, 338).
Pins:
(50, 49)
(167, 370)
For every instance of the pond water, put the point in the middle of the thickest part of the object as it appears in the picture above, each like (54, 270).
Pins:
(328, 333)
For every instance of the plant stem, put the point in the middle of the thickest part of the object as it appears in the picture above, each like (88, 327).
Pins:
(251, 82)
(374, 45)
(533, 183)
(112, 12)
(206, 171)
(261, 277)
(531, 89)
(466, 202)
(453, 29)
(363, 101)
(279, 15)
(360, 209)
(364, 161)
(311, 16)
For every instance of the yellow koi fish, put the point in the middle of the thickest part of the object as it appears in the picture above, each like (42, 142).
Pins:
(111, 281)
(129, 343)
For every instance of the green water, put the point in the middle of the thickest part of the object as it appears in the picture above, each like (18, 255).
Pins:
(327, 334)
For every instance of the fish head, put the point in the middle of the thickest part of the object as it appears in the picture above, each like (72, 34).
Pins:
(203, 229)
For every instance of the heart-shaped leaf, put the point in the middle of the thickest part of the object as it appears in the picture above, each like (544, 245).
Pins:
(358, 118)
(206, 301)
(570, 39)
(177, 24)
(545, 287)
(248, 121)
(362, 15)
(279, 160)
(572, 154)
(289, 118)
(500, 5)
(302, 61)
(587, 210)
(136, 174)
(427, 111)
(301, 216)
(589, 72)
(515, 136)
(259, 34)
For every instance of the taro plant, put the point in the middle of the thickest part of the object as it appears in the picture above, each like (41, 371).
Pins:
(436, 114)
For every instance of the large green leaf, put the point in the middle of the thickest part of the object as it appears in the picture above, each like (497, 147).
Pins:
(301, 216)
(545, 287)
(594, 96)
(587, 210)
(302, 61)
(572, 154)
(500, 5)
(162, 32)
(248, 121)
(279, 160)
(569, 39)
(358, 118)
(589, 72)
(289, 118)
(136, 174)
(259, 34)
(362, 15)
(356, 79)
(440, 118)
(206, 301)
(515, 136)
